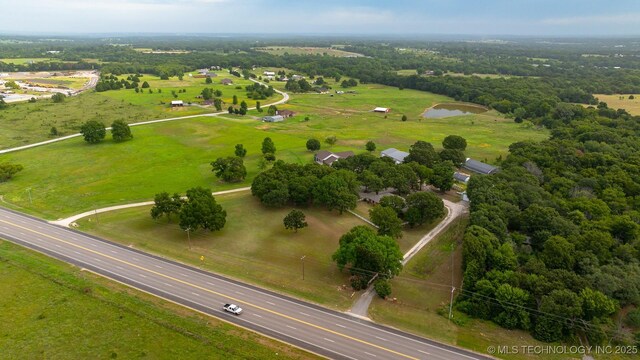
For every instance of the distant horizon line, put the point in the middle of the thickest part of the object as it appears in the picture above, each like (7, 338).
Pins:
(316, 34)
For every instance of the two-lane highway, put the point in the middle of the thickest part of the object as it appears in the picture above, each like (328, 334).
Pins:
(305, 325)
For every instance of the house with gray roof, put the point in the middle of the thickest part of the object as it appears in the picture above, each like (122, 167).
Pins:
(395, 154)
(324, 157)
(274, 118)
(461, 177)
(479, 167)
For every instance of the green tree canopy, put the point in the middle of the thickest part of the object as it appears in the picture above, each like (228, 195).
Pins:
(202, 211)
(166, 205)
(120, 131)
(365, 253)
(423, 207)
(387, 221)
(229, 169)
(295, 220)
(93, 131)
(313, 144)
(7, 170)
(454, 142)
(268, 146)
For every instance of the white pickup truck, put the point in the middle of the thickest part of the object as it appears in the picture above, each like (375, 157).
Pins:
(232, 308)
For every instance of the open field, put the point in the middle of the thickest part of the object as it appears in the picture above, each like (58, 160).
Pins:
(422, 292)
(52, 310)
(254, 245)
(27, 123)
(296, 50)
(176, 156)
(23, 61)
(191, 86)
(614, 102)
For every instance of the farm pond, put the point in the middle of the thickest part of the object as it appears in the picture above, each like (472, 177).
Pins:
(448, 110)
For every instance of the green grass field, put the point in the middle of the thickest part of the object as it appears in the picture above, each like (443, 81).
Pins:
(175, 156)
(254, 245)
(26, 123)
(52, 310)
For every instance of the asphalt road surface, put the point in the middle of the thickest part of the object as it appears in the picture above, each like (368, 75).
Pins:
(325, 332)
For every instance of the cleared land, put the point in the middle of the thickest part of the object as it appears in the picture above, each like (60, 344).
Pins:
(27, 123)
(253, 246)
(23, 61)
(296, 50)
(176, 156)
(622, 101)
(52, 310)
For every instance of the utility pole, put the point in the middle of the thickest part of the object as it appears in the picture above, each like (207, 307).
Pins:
(302, 259)
(452, 281)
(189, 237)
(29, 191)
(95, 212)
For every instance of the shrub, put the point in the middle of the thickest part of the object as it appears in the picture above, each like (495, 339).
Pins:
(358, 282)
(382, 288)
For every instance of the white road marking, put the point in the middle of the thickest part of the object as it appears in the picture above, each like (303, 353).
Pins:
(119, 268)
(212, 284)
(134, 259)
(142, 275)
(76, 252)
(98, 260)
(196, 294)
(158, 266)
(113, 252)
(424, 352)
(329, 340)
(257, 315)
(291, 327)
(58, 246)
(169, 285)
(370, 354)
(270, 303)
(342, 326)
(383, 339)
(23, 234)
(239, 293)
(305, 314)
(185, 275)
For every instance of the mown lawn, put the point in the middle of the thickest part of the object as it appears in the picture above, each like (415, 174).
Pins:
(72, 176)
(26, 123)
(52, 310)
(253, 246)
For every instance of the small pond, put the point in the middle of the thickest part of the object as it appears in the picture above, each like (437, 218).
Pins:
(447, 110)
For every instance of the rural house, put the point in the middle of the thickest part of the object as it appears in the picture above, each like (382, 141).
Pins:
(275, 118)
(285, 113)
(479, 167)
(269, 73)
(328, 158)
(381, 110)
(461, 177)
(226, 82)
(395, 154)
(176, 103)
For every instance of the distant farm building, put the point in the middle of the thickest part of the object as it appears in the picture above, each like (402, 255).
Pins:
(275, 118)
(461, 177)
(297, 77)
(285, 113)
(328, 158)
(479, 167)
(396, 155)
(226, 82)
(177, 103)
(381, 110)
(269, 73)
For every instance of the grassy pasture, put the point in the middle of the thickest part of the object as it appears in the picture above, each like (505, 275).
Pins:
(253, 246)
(614, 102)
(25, 61)
(52, 310)
(71, 176)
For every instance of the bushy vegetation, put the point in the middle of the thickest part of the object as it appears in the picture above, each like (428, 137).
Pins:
(554, 241)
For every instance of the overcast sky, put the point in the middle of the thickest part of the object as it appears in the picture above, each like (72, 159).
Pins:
(477, 17)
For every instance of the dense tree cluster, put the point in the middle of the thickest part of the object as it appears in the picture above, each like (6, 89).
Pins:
(257, 91)
(554, 241)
